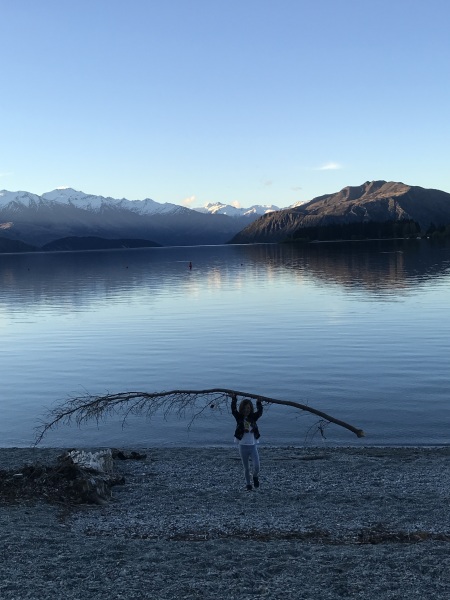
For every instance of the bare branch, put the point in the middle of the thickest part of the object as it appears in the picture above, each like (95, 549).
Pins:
(90, 407)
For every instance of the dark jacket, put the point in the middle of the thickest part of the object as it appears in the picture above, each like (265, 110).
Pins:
(252, 418)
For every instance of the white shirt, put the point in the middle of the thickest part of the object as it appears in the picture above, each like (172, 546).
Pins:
(248, 439)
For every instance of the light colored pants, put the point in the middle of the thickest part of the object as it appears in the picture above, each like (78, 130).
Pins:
(249, 452)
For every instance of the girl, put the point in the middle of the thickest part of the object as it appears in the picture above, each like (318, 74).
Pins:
(247, 435)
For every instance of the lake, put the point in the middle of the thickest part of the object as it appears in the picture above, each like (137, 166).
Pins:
(359, 330)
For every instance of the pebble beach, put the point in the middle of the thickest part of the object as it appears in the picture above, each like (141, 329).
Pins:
(369, 523)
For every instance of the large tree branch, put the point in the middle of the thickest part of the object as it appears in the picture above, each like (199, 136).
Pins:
(90, 407)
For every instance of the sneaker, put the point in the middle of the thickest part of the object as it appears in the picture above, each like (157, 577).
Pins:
(256, 482)
(249, 488)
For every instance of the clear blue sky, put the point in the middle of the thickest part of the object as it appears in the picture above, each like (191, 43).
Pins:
(245, 101)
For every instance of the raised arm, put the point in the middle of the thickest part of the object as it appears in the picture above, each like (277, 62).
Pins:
(259, 410)
(234, 411)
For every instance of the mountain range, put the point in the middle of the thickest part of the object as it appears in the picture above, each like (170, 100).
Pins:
(58, 219)
(375, 207)
(227, 209)
(66, 219)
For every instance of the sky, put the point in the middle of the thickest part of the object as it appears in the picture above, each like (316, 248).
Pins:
(235, 101)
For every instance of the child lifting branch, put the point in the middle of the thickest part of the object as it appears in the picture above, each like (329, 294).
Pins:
(247, 436)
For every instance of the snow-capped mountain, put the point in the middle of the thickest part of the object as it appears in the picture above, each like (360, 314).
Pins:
(296, 204)
(67, 213)
(91, 202)
(97, 203)
(18, 199)
(232, 211)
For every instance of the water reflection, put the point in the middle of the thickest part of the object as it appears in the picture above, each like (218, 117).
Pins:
(73, 280)
(378, 267)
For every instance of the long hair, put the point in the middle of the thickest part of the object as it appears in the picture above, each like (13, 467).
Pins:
(243, 404)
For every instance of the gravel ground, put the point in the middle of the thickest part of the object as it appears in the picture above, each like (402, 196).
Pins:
(369, 523)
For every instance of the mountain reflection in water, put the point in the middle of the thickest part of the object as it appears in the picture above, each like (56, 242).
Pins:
(377, 267)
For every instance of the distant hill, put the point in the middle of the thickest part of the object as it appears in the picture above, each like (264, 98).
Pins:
(95, 243)
(351, 211)
(14, 246)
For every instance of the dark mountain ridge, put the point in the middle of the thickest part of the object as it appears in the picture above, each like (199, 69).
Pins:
(371, 202)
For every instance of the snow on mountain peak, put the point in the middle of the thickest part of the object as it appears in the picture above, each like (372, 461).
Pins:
(297, 204)
(63, 194)
(219, 208)
(95, 203)
(25, 198)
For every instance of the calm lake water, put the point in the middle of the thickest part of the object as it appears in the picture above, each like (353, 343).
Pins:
(358, 330)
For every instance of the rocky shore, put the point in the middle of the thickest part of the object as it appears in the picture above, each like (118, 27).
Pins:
(368, 523)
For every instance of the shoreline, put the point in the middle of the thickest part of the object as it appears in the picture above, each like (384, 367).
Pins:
(371, 523)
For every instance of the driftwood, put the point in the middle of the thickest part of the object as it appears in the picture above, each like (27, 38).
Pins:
(90, 407)
(78, 477)
(91, 473)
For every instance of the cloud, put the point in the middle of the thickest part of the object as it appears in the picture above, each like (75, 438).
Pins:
(267, 183)
(188, 201)
(5, 174)
(330, 166)
(236, 204)
(296, 188)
